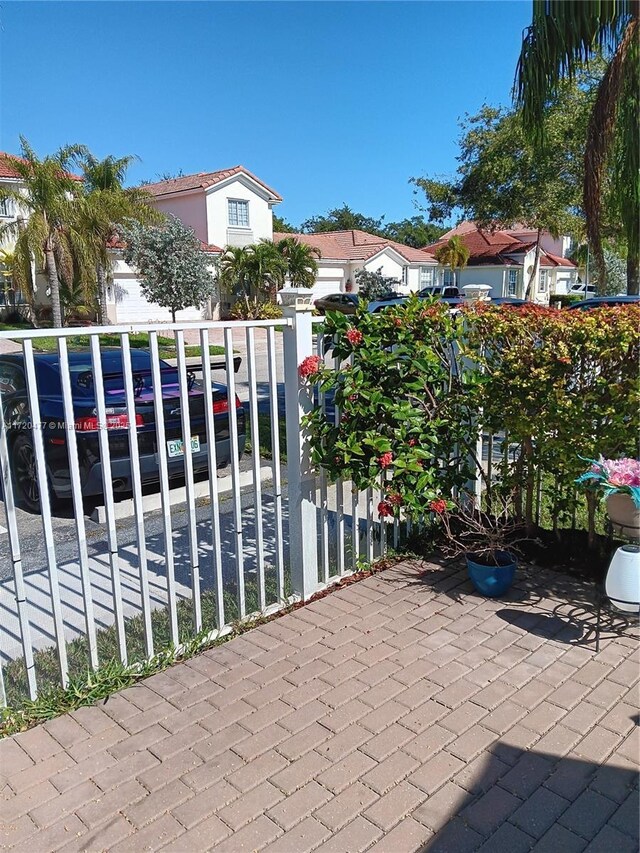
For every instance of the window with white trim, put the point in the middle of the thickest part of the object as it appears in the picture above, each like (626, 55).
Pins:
(512, 282)
(426, 277)
(543, 281)
(447, 279)
(7, 207)
(405, 274)
(238, 213)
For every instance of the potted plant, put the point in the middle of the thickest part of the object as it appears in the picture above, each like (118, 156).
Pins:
(488, 539)
(618, 480)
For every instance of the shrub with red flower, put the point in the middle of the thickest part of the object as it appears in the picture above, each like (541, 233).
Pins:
(354, 336)
(439, 506)
(385, 509)
(395, 499)
(385, 460)
(310, 366)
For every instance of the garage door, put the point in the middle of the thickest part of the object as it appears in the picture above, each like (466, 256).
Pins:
(326, 287)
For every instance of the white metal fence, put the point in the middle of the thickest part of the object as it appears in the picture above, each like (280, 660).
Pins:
(74, 593)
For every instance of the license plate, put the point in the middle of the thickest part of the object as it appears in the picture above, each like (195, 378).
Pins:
(175, 447)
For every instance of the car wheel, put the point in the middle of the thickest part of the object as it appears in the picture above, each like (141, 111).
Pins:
(24, 473)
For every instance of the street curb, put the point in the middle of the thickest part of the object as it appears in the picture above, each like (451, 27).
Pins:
(151, 503)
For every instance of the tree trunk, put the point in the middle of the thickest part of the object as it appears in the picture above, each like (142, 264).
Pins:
(54, 285)
(536, 262)
(633, 275)
(173, 315)
(592, 501)
(102, 292)
(527, 447)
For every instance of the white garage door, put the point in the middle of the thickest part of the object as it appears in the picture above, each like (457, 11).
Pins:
(326, 287)
(132, 307)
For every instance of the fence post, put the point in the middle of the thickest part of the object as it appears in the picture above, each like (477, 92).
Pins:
(303, 530)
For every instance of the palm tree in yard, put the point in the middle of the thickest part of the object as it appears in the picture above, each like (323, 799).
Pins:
(106, 205)
(302, 265)
(52, 233)
(453, 254)
(564, 35)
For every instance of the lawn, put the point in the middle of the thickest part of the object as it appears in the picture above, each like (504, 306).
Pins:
(264, 430)
(138, 340)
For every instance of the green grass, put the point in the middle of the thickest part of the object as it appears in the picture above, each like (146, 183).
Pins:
(264, 438)
(87, 686)
(137, 340)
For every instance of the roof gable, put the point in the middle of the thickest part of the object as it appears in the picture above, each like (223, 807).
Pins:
(354, 245)
(203, 181)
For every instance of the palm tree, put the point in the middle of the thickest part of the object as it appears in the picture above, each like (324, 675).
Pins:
(51, 234)
(233, 271)
(565, 34)
(17, 277)
(106, 205)
(453, 254)
(302, 266)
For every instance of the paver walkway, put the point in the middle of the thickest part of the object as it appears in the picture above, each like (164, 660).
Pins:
(400, 713)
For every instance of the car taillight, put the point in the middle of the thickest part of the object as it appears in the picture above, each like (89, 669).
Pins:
(220, 406)
(90, 422)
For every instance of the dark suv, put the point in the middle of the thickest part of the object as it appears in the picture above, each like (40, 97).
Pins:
(15, 407)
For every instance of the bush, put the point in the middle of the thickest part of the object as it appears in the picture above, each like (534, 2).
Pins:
(255, 309)
(565, 299)
(413, 380)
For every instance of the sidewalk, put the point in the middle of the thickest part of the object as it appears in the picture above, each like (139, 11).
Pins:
(398, 714)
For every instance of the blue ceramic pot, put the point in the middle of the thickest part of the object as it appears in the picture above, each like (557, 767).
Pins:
(492, 581)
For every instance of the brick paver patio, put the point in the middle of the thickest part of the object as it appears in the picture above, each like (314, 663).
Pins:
(401, 713)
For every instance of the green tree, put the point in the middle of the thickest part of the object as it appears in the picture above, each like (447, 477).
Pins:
(16, 277)
(281, 226)
(252, 272)
(300, 258)
(342, 219)
(503, 178)
(415, 232)
(51, 232)
(453, 254)
(565, 34)
(373, 285)
(106, 205)
(174, 271)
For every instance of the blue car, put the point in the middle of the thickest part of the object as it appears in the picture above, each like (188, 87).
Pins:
(15, 407)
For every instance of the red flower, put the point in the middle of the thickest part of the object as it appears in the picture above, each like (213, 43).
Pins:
(397, 322)
(412, 442)
(310, 366)
(353, 398)
(354, 336)
(394, 499)
(384, 509)
(385, 460)
(438, 506)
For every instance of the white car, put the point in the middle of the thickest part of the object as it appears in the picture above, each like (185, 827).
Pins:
(580, 288)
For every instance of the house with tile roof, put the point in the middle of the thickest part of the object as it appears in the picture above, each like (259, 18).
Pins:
(226, 207)
(343, 253)
(229, 207)
(505, 260)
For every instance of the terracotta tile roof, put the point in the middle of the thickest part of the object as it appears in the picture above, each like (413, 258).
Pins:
(203, 180)
(495, 248)
(356, 245)
(7, 170)
(209, 248)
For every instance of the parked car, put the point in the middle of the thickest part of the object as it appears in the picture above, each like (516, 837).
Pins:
(580, 288)
(447, 292)
(509, 300)
(346, 303)
(604, 302)
(15, 406)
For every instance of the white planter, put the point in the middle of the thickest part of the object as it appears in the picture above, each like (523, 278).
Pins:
(624, 514)
(622, 583)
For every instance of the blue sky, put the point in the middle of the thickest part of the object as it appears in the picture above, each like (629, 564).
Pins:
(328, 102)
